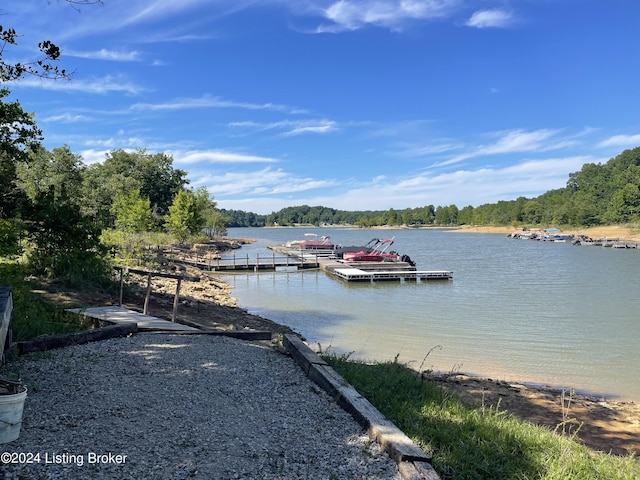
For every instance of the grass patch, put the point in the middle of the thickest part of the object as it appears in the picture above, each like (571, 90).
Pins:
(33, 315)
(473, 442)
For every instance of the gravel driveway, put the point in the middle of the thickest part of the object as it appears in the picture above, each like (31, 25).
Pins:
(172, 406)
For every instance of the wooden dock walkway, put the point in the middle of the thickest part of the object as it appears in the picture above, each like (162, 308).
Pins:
(243, 263)
(119, 315)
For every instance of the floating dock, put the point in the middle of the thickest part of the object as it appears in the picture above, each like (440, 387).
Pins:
(379, 271)
(357, 275)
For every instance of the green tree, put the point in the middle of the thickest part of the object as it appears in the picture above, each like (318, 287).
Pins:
(59, 170)
(10, 234)
(132, 212)
(207, 217)
(465, 216)
(152, 174)
(66, 243)
(182, 219)
(19, 134)
(626, 203)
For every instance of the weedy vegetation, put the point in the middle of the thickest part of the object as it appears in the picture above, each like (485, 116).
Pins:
(469, 442)
(33, 315)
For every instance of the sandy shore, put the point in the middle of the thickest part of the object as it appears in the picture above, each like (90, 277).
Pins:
(611, 232)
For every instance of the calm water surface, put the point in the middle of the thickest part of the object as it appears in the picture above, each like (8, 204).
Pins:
(516, 310)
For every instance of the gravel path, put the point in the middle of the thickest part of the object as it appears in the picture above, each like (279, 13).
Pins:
(163, 406)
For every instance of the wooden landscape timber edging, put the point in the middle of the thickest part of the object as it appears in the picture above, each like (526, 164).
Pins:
(248, 335)
(413, 463)
(148, 274)
(60, 340)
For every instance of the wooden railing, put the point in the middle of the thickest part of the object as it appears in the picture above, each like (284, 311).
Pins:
(149, 275)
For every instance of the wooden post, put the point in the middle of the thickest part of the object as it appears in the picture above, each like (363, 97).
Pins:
(175, 301)
(121, 286)
(146, 300)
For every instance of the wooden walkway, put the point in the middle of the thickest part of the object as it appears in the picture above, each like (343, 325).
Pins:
(243, 263)
(119, 315)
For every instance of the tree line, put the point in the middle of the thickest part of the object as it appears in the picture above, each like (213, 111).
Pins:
(598, 194)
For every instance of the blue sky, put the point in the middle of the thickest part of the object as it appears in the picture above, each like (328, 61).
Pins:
(355, 105)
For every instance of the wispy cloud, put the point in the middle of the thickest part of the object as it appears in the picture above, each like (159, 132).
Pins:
(109, 55)
(104, 85)
(517, 141)
(265, 182)
(416, 151)
(490, 18)
(621, 141)
(66, 118)
(207, 101)
(218, 156)
(290, 128)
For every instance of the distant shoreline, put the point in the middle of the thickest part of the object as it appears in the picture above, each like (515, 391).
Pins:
(619, 232)
(610, 232)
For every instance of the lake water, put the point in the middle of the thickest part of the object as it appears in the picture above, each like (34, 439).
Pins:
(516, 310)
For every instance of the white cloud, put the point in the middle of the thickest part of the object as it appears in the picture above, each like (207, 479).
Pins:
(621, 141)
(208, 101)
(66, 118)
(265, 183)
(104, 54)
(101, 86)
(391, 14)
(490, 18)
(218, 156)
(320, 128)
(90, 156)
(290, 127)
(516, 141)
(426, 150)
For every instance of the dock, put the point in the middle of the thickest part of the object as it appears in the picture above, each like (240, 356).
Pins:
(121, 315)
(358, 275)
(380, 271)
(325, 260)
(260, 262)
